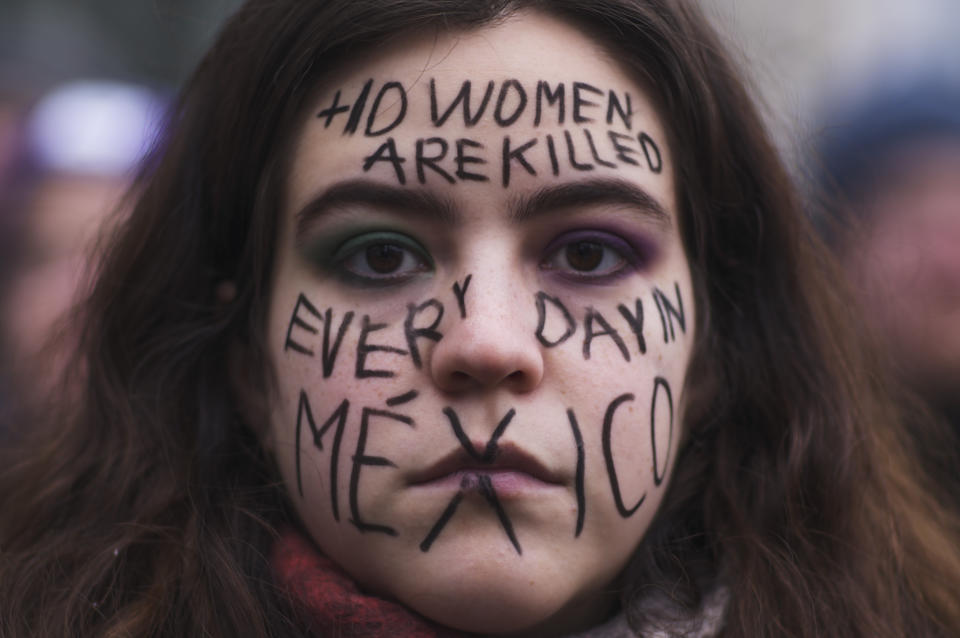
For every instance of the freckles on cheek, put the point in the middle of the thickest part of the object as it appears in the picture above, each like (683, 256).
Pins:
(622, 446)
(636, 448)
(316, 376)
(350, 378)
(636, 431)
(557, 323)
(525, 489)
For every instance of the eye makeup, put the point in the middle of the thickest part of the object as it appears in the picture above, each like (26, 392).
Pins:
(597, 256)
(369, 257)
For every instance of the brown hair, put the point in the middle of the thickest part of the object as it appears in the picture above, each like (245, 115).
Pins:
(148, 507)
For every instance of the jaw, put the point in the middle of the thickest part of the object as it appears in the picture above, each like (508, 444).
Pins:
(505, 594)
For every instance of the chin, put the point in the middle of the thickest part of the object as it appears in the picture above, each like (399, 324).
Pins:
(484, 611)
(507, 602)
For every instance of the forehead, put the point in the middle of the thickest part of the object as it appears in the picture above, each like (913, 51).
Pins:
(528, 45)
(527, 99)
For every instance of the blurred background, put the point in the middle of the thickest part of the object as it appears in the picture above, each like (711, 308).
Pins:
(808, 58)
(43, 42)
(797, 52)
(861, 96)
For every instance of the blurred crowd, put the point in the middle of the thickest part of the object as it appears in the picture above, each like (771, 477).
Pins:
(887, 164)
(67, 161)
(881, 158)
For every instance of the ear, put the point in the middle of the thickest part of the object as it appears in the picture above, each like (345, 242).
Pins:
(225, 292)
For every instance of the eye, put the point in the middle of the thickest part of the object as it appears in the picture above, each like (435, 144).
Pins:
(589, 256)
(381, 258)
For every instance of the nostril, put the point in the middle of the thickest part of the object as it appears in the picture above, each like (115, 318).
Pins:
(459, 379)
(484, 359)
(522, 380)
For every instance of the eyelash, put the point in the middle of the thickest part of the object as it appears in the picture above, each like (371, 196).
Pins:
(610, 245)
(359, 247)
(351, 259)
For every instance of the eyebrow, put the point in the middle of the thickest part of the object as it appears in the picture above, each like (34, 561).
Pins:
(591, 192)
(434, 208)
(364, 192)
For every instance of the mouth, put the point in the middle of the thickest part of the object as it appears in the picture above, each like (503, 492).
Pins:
(511, 470)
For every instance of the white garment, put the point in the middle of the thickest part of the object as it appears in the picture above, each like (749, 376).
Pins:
(705, 624)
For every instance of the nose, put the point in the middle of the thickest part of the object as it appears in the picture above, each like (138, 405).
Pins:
(489, 348)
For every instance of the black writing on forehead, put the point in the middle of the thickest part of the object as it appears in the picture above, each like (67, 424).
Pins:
(390, 88)
(471, 113)
(508, 103)
(462, 159)
(513, 104)
(375, 118)
(438, 148)
(554, 97)
(467, 103)
(511, 155)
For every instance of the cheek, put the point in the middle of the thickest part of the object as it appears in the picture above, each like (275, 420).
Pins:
(338, 374)
(629, 408)
(342, 423)
(630, 435)
(606, 421)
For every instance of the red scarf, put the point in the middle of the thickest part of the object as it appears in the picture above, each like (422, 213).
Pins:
(334, 603)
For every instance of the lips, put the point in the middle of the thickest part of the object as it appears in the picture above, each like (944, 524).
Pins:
(509, 460)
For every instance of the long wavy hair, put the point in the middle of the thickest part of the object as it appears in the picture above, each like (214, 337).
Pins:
(146, 506)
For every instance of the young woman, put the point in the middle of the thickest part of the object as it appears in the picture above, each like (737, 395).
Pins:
(487, 317)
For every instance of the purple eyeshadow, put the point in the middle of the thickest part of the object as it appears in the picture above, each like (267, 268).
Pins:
(638, 250)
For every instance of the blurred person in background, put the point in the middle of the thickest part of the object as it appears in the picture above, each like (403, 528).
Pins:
(889, 163)
(70, 158)
(10, 113)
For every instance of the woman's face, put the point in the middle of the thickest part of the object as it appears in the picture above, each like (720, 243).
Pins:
(481, 319)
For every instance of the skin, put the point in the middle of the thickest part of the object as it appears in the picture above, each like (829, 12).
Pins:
(473, 577)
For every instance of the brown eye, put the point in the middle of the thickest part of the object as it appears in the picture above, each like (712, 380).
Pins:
(380, 258)
(384, 258)
(590, 256)
(584, 256)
